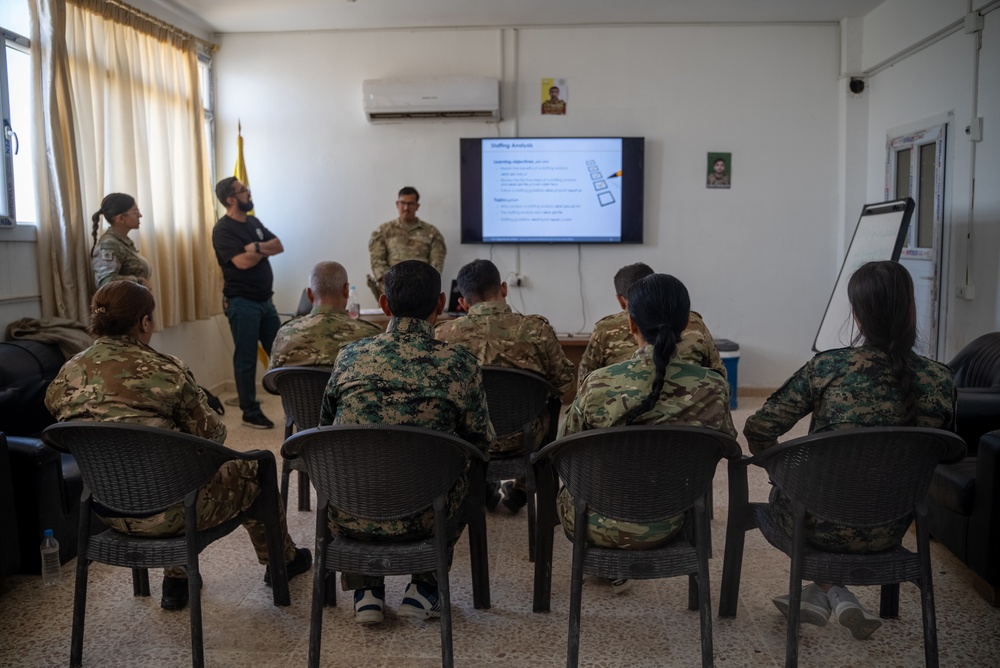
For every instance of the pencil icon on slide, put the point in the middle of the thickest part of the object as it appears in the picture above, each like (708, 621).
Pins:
(616, 174)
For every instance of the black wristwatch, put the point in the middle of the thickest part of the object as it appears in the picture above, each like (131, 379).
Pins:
(256, 246)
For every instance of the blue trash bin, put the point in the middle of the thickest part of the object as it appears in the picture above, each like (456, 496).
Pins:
(729, 351)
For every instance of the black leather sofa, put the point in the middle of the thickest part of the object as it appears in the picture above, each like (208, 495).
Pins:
(39, 487)
(964, 501)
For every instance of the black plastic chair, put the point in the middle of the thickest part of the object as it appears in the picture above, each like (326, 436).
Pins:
(517, 399)
(385, 472)
(856, 477)
(301, 389)
(136, 470)
(639, 474)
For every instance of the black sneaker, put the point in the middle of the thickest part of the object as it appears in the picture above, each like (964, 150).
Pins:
(513, 498)
(492, 495)
(300, 564)
(175, 593)
(257, 421)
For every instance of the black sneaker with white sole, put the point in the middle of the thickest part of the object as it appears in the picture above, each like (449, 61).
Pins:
(257, 421)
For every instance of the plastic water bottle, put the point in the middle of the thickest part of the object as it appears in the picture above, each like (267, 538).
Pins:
(353, 307)
(50, 559)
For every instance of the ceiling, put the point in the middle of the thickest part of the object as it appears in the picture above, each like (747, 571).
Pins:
(238, 16)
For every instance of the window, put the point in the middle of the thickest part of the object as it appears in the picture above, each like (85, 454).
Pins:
(208, 107)
(17, 201)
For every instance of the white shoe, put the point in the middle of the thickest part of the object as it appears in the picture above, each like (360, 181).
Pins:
(620, 586)
(420, 601)
(814, 607)
(369, 605)
(852, 614)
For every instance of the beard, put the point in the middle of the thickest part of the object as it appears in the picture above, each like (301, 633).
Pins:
(245, 207)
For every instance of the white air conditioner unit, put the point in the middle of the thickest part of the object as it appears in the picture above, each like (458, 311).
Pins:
(445, 98)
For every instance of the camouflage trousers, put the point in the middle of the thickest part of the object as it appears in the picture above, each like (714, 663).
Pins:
(231, 491)
(413, 527)
(606, 532)
(831, 537)
(375, 286)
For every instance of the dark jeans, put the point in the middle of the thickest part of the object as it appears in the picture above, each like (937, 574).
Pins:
(250, 322)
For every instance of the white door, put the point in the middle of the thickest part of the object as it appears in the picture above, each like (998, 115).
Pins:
(915, 168)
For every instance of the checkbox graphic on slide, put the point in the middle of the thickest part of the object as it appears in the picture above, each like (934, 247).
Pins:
(591, 162)
(600, 185)
(593, 168)
(595, 176)
(605, 198)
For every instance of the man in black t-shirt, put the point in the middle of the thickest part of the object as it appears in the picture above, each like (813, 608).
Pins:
(243, 246)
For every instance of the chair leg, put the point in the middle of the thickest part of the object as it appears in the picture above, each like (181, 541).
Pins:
(79, 607)
(889, 601)
(927, 593)
(140, 582)
(545, 520)
(704, 595)
(732, 561)
(576, 584)
(286, 473)
(478, 547)
(304, 501)
(795, 589)
(330, 600)
(321, 584)
(194, 603)
(444, 586)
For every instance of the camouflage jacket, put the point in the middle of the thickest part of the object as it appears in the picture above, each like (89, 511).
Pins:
(316, 338)
(396, 241)
(612, 342)
(115, 258)
(692, 396)
(406, 377)
(499, 337)
(120, 379)
(852, 387)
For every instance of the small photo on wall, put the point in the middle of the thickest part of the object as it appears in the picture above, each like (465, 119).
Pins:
(555, 92)
(720, 170)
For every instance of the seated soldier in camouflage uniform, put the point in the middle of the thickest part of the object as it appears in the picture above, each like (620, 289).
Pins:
(655, 386)
(881, 383)
(498, 336)
(612, 342)
(121, 379)
(406, 377)
(404, 238)
(316, 338)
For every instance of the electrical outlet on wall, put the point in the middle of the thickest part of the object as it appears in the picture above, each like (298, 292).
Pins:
(967, 292)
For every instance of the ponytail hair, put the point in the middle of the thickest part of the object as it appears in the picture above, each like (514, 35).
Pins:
(881, 297)
(660, 307)
(111, 206)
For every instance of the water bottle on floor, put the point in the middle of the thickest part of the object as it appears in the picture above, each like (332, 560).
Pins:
(50, 559)
(353, 306)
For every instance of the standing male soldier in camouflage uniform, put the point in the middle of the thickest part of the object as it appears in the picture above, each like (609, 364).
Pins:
(122, 379)
(406, 377)
(316, 338)
(611, 341)
(498, 336)
(405, 238)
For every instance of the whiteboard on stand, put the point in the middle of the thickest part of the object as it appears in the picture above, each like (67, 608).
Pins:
(879, 235)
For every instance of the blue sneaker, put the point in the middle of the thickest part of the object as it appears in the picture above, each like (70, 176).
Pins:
(369, 605)
(420, 601)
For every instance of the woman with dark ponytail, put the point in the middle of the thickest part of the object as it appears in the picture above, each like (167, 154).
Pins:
(880, 383)
(653, 387)
(114, 257)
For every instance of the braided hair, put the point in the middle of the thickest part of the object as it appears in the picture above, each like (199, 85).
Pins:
(659, 306)
(881, 296)
(111, 206)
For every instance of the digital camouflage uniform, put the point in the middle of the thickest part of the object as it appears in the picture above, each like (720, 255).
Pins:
(845, 388)
(499, 337)
(396, 241)
(407, 377)
(115, 259)
(692, 396)
(612, 342)
(316, 338)
(120, 379)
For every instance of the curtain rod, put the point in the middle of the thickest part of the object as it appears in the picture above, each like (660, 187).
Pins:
(114, 9)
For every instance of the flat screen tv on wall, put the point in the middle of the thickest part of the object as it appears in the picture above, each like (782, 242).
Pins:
(552, 190)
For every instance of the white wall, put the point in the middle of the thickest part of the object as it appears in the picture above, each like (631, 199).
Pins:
(759, 259)
(934, 84)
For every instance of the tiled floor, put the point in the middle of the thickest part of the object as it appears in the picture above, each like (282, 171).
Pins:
(647, 626)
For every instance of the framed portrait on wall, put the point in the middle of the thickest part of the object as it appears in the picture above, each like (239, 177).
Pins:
(720, 170)
(555, 92)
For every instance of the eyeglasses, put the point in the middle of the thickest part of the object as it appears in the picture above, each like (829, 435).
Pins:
(407, 205)
(237, 193)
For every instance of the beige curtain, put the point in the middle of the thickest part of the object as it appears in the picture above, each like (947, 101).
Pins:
(65, 274)
(137, 115)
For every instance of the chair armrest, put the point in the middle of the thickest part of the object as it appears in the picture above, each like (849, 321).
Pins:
(32, 451)
(984, 525)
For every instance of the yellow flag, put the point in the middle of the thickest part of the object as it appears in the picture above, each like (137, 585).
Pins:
(240, 172)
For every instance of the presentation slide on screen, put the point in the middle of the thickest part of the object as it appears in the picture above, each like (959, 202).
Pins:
(552, 189)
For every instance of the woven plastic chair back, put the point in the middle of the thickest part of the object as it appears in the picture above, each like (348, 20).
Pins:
(136, 470)
(641, 473)
(860, 477)
(978, 364)
(515, 398)
(379, 472)
(301, 389)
